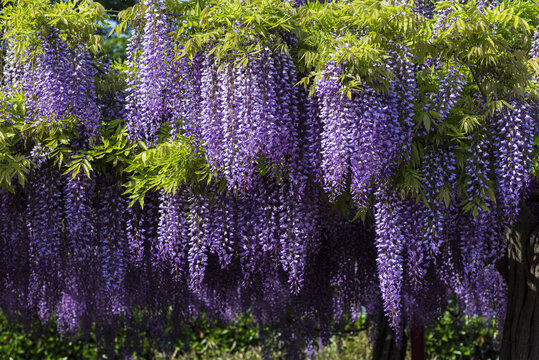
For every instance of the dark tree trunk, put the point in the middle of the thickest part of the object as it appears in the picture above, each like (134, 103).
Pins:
(521, 271)
(385, 347)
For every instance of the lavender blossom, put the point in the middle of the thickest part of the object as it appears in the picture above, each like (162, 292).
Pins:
(513, 131)
(60, 84)
(148, 106)
(43, 220)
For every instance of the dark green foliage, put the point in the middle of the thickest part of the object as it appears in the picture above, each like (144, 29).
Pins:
(16, 344)
(455, 337)
(196, 337)
(114, 47)
(204, 334)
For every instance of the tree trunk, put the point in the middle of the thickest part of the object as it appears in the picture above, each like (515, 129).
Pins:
(521, 270)
(385, 347)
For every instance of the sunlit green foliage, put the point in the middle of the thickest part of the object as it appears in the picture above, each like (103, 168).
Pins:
(490, 48)
(27, 20)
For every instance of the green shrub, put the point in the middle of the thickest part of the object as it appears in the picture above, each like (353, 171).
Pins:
(452, 337)
(456, 337)
(46, 344)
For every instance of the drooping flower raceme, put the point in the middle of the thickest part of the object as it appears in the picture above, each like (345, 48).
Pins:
(441, 102)
(249, 117)
(148, 104)
(355, 140)
(513, 131)
(391, 226)
(60, 84)
(44, 225)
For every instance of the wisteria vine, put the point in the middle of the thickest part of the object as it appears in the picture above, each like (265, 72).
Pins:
(375, 192)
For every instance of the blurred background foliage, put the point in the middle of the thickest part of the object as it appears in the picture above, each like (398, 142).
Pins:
(114, 47)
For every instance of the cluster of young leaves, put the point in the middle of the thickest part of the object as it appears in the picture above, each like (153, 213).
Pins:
(26, 21)
(139, 168)
(358, 35)
(165, 167)
(493, 43)
(109, 156)
(131, 17)
(239, 29)
(22, 142)
(13, 164)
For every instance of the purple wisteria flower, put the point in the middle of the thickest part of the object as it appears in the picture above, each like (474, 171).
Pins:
(60, 84)
(150, 59)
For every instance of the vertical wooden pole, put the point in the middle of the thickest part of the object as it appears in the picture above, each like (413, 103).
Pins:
(417, 334)
(385, 346)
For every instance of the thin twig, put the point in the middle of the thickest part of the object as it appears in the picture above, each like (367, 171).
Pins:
(476, 79)
(98, 68)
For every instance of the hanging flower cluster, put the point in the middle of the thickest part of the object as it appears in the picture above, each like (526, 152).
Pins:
(364, 137)
(161, 90)
(60, 84)
(110, 258)
(513, 132)
(150, 108)
(450, 89)
(249, 117)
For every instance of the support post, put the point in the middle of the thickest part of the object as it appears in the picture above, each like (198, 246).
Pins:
(417, 335)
